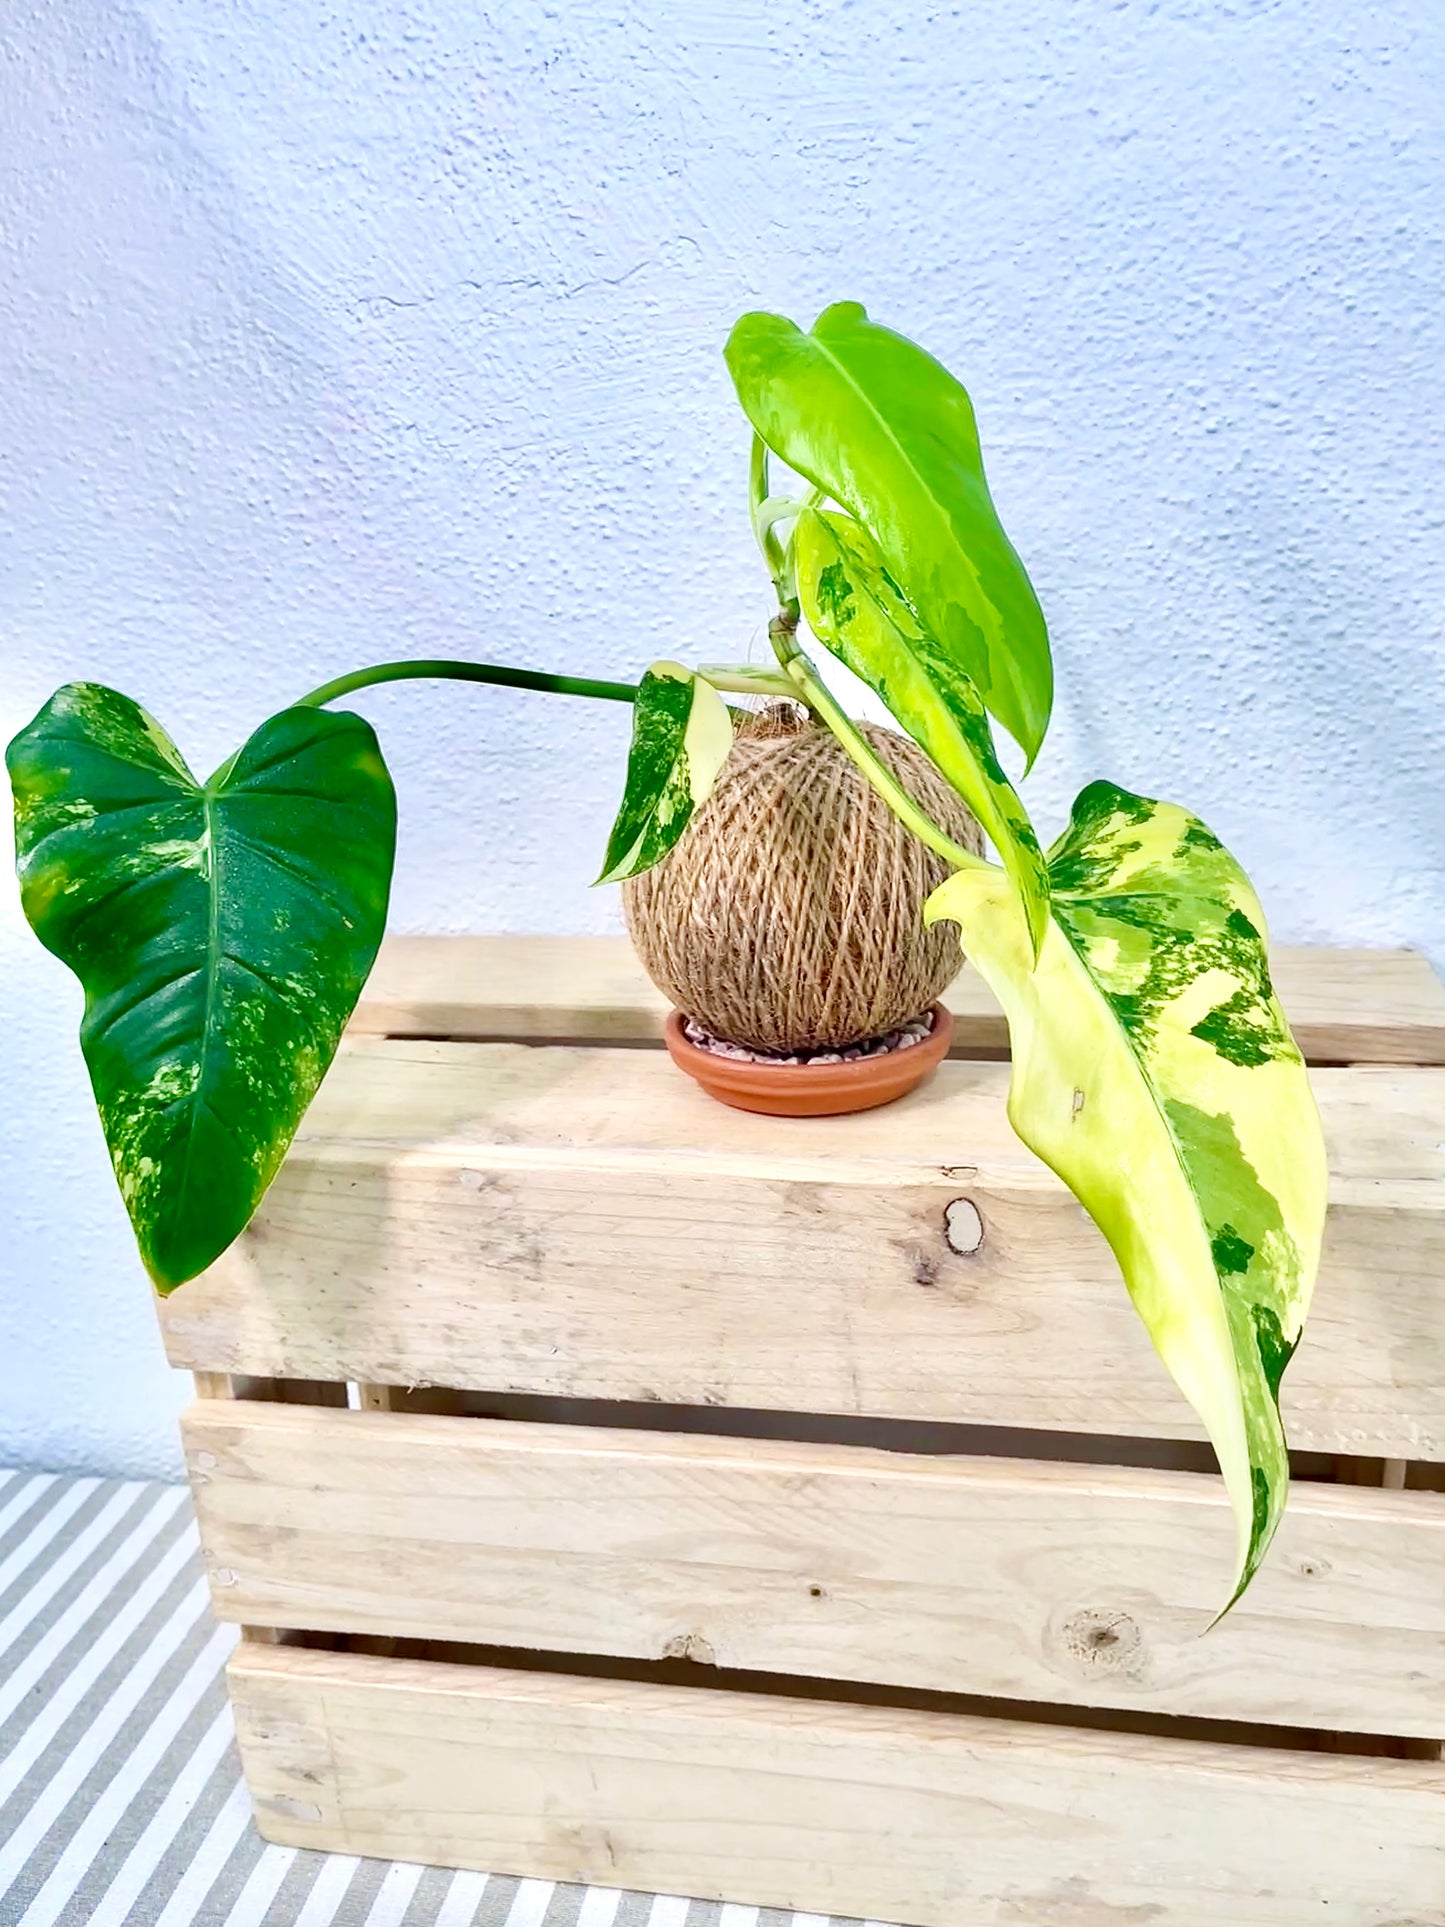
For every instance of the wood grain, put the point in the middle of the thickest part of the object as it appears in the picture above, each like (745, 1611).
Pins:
(1088, 1586)
(934, 1818)
(1362, 1006)
(584, 1223)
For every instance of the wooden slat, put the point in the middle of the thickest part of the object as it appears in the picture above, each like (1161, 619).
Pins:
(934, 1818)
(1363, 1006)
(572, 989)
(1088, 1585)
(585, 1223)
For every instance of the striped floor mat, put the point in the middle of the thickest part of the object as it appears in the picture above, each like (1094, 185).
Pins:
(121, 1801)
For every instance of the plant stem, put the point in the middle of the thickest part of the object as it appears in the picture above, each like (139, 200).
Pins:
(616, 692)
(763, 530)
(822, 703)
(743, 681)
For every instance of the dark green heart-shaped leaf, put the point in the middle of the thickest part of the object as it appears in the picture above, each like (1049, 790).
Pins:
(222, 932)
(855, 609)
(886, 431)
(681, 735)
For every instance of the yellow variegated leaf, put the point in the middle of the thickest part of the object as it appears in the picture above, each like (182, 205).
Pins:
(856, 610)
(1154, 1071)
(681, 734)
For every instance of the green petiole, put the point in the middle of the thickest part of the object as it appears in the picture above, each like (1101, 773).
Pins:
(444, 670)
(810, 688)
(815, 693)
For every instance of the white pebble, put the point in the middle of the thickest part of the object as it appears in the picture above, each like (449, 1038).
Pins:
(904, 1038)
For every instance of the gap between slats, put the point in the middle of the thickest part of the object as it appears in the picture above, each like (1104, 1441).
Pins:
(927, 1437)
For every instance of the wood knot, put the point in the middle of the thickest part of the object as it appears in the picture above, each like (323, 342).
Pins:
(1102, 1643)
(963, 1227)
(690, 1646)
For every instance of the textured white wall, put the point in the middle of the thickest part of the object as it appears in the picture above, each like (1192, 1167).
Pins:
(331, 334)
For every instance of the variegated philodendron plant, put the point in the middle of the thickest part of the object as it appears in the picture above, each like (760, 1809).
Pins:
(222, 930)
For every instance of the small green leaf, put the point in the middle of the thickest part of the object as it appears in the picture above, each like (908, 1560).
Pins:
(886, 431)
(855, 609)
(681, 734)
(222, 933)
(1154, 1071)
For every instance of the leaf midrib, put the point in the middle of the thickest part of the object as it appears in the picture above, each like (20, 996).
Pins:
(1164, 1119)
(1251, 1551)
(908, 460)
(199, 1098)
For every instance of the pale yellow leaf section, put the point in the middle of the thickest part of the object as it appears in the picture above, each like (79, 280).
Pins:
(1091, 1099)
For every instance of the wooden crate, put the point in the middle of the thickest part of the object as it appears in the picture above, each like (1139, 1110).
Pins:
(619, 1488)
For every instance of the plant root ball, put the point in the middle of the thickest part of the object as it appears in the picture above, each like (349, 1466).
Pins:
(789, 915)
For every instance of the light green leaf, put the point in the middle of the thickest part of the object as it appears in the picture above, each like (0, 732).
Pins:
(681, 734)
(1154, 1071)
(222, 933)
(886, 431)
(855, 609)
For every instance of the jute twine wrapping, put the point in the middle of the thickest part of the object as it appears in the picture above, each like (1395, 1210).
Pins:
(790, 914)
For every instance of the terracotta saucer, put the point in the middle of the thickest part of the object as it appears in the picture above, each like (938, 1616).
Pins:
(811, 1090)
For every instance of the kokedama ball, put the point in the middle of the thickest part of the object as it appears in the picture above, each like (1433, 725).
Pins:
(789, 915)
